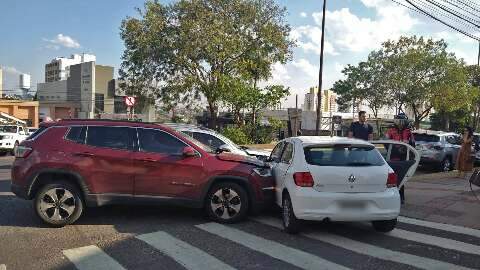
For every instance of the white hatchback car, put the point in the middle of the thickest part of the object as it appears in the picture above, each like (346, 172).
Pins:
(340, 179)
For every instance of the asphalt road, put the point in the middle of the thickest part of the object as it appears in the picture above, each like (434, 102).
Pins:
(175, 238)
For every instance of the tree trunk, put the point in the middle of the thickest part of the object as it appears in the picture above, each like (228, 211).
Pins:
(447, 122)
(212, 123)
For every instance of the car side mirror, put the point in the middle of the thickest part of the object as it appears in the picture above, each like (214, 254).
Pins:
(224, 148)
(189, 152)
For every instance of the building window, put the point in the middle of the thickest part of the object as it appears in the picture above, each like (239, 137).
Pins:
(99, 103)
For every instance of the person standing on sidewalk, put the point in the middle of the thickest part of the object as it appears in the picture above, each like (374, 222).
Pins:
(361, 129)
(402, 133)
(464, 158)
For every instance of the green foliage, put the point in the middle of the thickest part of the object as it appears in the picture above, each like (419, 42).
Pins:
(237, 135)
(192, 46)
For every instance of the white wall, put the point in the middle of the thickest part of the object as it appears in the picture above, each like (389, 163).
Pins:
(52, 91)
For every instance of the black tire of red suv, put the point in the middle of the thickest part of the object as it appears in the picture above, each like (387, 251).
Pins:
(68, 204)
(227, 202)
(291, 224)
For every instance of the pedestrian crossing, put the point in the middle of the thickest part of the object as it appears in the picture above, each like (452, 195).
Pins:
(316, 247)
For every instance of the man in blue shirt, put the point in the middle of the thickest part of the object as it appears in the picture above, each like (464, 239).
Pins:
(361, 129)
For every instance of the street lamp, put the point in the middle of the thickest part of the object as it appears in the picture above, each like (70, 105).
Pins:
(320, 73)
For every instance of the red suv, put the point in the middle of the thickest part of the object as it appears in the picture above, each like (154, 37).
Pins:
(70, 164)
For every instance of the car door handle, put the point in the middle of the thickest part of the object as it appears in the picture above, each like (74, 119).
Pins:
(146, 160)
(84, 154)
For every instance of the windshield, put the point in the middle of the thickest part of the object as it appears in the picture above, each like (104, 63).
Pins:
(8, 129)
(426, 138)
(343, 155)
(204, 147)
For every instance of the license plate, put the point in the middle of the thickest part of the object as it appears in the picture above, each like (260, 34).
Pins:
(352, 205)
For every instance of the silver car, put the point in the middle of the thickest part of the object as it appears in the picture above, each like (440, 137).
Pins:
(438, 148)
(217, 141)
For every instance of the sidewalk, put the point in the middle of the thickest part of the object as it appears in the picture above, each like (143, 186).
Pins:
(440, 197)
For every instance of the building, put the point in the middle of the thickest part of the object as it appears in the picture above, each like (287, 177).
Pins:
(23, 110)
(329, 100)
(58, 68)
(88, 90)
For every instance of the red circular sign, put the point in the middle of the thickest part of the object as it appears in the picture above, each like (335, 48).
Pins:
(130, 101)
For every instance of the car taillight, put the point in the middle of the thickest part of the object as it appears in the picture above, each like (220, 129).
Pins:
(22, 151)
(303, 179)
(391, 180)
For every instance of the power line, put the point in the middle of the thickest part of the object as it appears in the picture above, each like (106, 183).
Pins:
(443, 22)
(471, 5)
(461, 8)
(442, 7)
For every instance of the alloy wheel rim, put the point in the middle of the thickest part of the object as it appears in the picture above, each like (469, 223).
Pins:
(226, 203)
(446, 166)
(57, 204)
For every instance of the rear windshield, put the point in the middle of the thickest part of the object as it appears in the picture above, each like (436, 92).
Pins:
(343, 155)
(426, 138)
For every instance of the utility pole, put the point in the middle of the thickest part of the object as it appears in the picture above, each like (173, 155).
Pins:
(320, 73)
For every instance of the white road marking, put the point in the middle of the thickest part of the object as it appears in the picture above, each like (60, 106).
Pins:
(3, 267)
(441, 226)
(367, 249)
(273, 249)
(6, 194)
(91, 258)
(183, 253)
(436, 241)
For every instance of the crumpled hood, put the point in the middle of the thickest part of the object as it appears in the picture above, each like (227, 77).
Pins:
(241, 159)
(257, 152)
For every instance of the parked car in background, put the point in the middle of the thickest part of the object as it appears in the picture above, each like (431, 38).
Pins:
(70, 164)
(11, 136)
(31, 130)
(438, 148)
(340, 179)
(217, 141)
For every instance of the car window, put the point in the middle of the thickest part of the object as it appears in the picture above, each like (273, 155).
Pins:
(382, 149)
(398, 152)
(343, 155)
(277, 152)
(76, 134)
(109, 137)
(157, 141)
(287, 153)
(208, 139)
(8, 129)
(426, 137)
(452, 139)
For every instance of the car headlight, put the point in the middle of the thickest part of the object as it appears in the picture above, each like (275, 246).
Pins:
(263, 172)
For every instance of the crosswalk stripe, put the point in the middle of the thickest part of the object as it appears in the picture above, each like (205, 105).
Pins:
(91, 258)
(183, 253)
(3, 267)
(436, 241)
(273, 249)
(367, 249)
(441, 226)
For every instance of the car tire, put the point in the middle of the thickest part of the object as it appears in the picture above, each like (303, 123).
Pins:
(384, 225)
(446, 164)
(227, 202)
(58, 204)
(290, 222)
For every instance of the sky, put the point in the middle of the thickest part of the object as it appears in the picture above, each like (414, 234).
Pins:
(34, 32)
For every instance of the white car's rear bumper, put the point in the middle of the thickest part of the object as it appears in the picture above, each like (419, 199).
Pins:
(7, 144)
(309, 204)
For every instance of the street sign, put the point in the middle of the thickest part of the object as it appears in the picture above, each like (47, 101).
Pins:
(130, 101)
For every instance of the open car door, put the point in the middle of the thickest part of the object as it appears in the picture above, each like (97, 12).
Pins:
(401, 157)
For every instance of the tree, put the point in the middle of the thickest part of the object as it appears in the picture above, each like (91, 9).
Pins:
(473, 77)
(418, 69)
(191, 46)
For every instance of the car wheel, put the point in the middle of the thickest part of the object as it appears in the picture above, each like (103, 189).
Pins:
(14, 147)
(58, 204)
(384, 225)
(227, 203)
(290, 222)
(446, 165)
